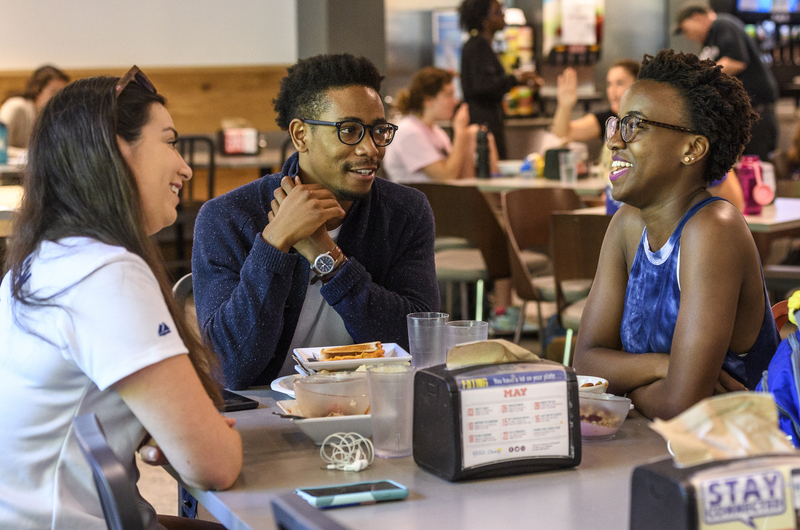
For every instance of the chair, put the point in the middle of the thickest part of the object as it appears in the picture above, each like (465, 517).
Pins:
(199, 153)
(116, 490)
(575, 243)
(462, 212)
(526, 214)
(293, 513)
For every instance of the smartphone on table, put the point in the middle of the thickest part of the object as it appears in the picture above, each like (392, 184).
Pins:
(352, 494)
(234, 402)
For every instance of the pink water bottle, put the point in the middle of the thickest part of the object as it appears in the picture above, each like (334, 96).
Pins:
(756, 193)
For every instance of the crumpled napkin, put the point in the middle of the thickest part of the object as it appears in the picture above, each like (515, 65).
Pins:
(733, 425)
(494, 351)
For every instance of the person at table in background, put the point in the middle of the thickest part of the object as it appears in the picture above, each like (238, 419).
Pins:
(87, 315)
(322, 253)
(421, 149)
(678, 309)
(724, 40)
(620, 76)
(483, 79)
(18, 113)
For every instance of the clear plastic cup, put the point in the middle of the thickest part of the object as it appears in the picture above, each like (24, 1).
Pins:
(391, 401)
(461, 331)
(426, 341)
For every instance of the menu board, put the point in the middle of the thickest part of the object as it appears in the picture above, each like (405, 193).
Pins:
(519, 413)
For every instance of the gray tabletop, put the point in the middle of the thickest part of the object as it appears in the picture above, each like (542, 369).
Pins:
(278, 457)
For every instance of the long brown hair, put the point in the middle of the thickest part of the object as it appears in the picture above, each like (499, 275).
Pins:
(77, 184)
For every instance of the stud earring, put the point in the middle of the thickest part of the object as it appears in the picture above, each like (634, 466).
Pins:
(687, 159)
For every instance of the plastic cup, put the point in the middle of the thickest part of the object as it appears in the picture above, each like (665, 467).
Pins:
(461, 331)
(568, 171)
(391, 402)
(426, 338)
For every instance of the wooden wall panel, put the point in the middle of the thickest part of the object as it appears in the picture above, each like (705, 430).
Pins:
(198, 97)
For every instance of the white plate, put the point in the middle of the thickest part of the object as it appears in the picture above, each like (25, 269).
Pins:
(394, 354)
(285, 384)
(595, 388)
(320, 428)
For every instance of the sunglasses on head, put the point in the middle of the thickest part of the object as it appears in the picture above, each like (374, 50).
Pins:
(137, 76)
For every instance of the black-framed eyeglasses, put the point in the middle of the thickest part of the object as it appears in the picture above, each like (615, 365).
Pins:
(630, 124)
(352, 132)
(138, 77)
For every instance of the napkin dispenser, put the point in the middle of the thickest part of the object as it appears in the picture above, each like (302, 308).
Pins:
(496, 420)
(755, 492)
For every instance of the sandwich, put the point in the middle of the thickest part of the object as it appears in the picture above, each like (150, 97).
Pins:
(366, 350)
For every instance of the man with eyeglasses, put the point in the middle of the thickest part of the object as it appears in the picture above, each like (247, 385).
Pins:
(322, 253)
(724, 41)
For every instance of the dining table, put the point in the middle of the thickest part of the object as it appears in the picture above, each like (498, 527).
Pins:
(278, 458)
(10, 197)
(590, 187)
(779, 219)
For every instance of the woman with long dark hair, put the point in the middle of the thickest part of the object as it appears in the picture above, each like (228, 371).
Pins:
(86, 313)
(678, 310)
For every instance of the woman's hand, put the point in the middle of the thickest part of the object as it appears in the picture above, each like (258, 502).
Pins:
(726, 383)
(461, 120)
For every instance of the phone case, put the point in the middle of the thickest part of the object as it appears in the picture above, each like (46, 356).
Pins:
(350, 499)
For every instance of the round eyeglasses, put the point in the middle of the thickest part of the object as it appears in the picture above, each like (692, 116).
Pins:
(352, 132)
(630, 124)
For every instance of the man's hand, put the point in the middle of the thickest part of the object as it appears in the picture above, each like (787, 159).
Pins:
(298, 217)
(150, 452)
(568, 88)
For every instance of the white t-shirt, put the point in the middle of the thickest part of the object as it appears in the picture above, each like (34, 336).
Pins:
(111, 321)
(18, 115)
(319, 324)
(414, 147)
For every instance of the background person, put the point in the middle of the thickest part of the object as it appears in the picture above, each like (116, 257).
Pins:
(422, 149)
(87, 316)
(18, 113)
(724, 41)
(483, 79)
(678, 309)
(620, 76)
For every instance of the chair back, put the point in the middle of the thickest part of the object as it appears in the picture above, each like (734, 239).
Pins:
(189, 148)
(529, 211)
(293, 513)
(116, 490)
(183, 292)
(462, 211)
(575, 243)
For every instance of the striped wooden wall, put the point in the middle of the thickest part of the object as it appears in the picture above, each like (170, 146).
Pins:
(198, 97)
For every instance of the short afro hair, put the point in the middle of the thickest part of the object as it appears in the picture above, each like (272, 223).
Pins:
(717, 105)
(472, 13)
(303, 90)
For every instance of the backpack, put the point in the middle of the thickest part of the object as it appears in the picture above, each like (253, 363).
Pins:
(781, 379)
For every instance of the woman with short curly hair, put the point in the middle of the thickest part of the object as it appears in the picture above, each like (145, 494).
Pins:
(679, 309)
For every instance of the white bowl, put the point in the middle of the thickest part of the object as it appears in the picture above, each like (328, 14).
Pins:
(594, 385)
(602, 415)
(320, 428)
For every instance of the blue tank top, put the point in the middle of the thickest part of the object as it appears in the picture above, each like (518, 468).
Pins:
(652, 299)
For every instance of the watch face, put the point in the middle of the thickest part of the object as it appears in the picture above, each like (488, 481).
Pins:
(324, 264)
